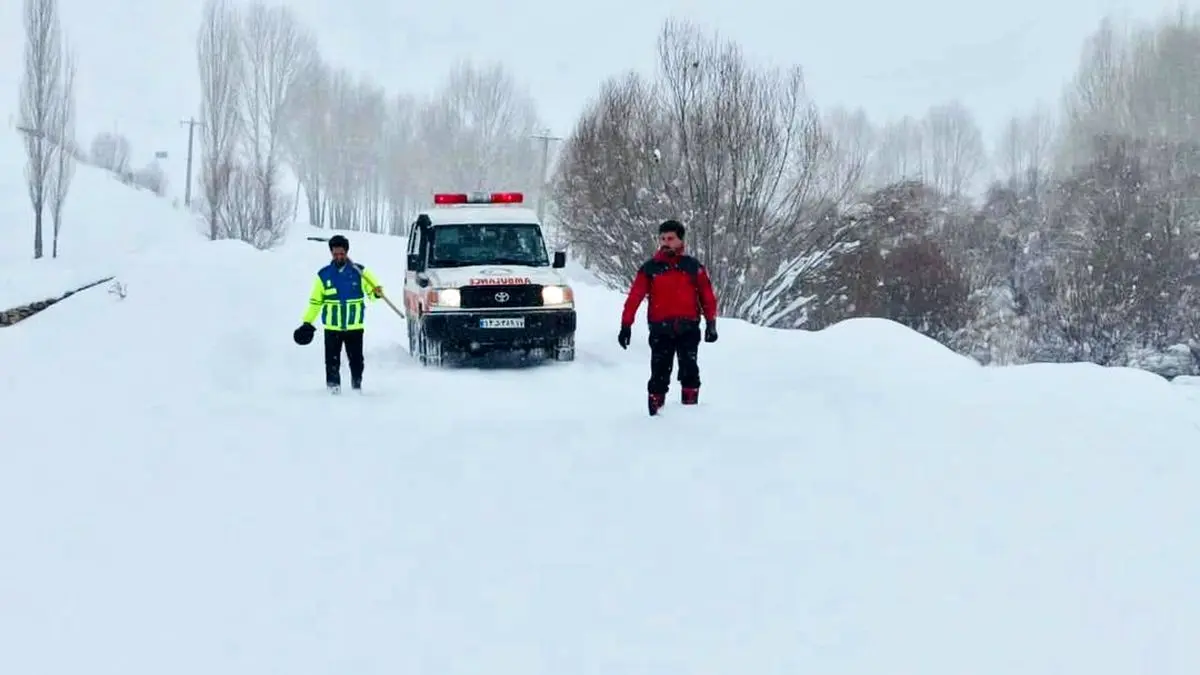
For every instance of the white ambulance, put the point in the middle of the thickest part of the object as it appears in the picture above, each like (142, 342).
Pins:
(478, 279)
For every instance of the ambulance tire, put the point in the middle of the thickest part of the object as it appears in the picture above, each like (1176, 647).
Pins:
(564, 348)
(429, 349)
(413, 350)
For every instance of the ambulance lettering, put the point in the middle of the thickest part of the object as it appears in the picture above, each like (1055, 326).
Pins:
(501, 281)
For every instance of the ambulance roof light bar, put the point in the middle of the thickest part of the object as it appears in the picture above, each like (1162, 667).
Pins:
(448, 198)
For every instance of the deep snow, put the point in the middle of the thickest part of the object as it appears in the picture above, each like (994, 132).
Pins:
(179, 495)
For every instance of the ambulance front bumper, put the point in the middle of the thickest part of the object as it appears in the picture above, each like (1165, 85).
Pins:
(516, 328)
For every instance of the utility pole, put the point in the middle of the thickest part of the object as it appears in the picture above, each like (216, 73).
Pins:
(545, 138)
(191, 123)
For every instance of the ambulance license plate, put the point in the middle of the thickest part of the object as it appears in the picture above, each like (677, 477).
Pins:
(518, 322)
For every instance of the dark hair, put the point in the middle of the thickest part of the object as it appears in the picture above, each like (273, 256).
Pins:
(672, 226)
(338, 241)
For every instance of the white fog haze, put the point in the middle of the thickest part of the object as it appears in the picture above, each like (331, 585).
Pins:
(942, 417)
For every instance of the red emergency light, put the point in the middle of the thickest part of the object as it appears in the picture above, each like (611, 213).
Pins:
(445, 198)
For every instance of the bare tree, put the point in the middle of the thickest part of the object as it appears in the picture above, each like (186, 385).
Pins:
(1024, 150)
(603, 189)
(1098, 101)
(954, 149)
(1100, 79)
(277, 51)
(369, 123)
(362, 158)
(151, 177)
(852, 143)
(311, 137)
(400, 172)
(1139, 83)
(111, 151)
(220, 60)
(476, 133)
(63, 164)
(1123, 286)
(347, 143)
(243, 208)
(736, 152)
(1163, 92)
(41, 84)
(900, 153)
(355, 176)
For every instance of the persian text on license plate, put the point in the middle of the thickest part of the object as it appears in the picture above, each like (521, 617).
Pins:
(518, 322)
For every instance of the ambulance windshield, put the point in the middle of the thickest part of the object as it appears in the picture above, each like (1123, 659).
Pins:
(486, 244)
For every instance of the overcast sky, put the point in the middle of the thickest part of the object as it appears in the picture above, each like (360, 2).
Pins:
(137, 68)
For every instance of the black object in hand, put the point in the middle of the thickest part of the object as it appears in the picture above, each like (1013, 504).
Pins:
(304, 334)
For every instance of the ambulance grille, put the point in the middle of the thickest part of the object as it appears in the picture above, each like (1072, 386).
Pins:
(500, 297)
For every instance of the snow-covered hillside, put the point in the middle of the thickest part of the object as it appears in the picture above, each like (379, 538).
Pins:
(104, 222)
(179, 495)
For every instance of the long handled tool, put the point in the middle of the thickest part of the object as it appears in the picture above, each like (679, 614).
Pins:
(394, 307)
(385, 298)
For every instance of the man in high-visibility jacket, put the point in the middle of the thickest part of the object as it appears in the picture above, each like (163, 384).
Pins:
(339, 295)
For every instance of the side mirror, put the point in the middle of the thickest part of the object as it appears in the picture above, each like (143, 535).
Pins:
(422, 281)
(560, 260)
(414, 261)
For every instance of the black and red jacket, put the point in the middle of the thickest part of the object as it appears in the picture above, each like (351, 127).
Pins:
(679, 291)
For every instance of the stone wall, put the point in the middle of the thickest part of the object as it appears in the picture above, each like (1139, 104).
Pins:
(9, 317)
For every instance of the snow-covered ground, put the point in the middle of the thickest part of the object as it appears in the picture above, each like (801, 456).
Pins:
(179, 495)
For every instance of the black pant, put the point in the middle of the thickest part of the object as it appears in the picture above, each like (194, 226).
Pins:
(668, 342)
(353, 341)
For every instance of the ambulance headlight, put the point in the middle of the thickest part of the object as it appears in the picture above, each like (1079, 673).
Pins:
(557, 295)
(447, 297)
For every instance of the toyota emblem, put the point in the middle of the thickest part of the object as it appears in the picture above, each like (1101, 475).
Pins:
(502, 297)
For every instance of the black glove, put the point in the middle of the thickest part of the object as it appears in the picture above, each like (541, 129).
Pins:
(710, 331)
(623, 337)
(304, 334)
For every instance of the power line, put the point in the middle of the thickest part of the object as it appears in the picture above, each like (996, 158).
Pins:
(191, 123)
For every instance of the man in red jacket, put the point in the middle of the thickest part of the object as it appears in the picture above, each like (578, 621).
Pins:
(680, 291)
